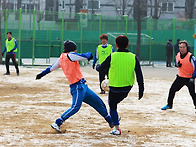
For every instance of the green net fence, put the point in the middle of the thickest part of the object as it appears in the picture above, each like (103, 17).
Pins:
(40, 34)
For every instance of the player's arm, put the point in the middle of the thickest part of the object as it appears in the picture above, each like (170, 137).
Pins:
(4, 50)
(105, 64)
(139, 77)
(15, 47)
(95, 58)
(193, 62)
(48, 70)
(79, 57)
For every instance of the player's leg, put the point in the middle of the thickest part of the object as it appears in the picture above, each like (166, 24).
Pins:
(96, 102)
(191, 87)
(114, 99)
(13, 57)
(176, 86)
(77, 93)
(101, 78)
(7, 62)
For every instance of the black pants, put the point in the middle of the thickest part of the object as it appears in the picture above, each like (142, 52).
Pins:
(169, 60)
(7, 60)
(177, 85)
(115, 98)
(102, 75)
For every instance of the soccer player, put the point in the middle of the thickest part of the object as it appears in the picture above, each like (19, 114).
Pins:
(122, 66)
(11, 49)
(80, 92)
(186, 64)
(102, 52)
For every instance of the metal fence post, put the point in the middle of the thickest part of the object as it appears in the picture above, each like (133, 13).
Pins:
(19, 43)
(150, 40)
(174, 35)
(62, 29)
(33, 52)
(6, 21)
(99, 26)
(81, 17)
(126, 26)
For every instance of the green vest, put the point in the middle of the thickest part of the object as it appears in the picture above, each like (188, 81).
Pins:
(103, 53)
(121, 71)
(10, 45)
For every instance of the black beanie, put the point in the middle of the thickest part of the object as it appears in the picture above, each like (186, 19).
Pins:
(69, 46)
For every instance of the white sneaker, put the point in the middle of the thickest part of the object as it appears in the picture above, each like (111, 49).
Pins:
(56, 127)
(116, 132)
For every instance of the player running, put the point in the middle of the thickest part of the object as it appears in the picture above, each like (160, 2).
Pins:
(186, 64)
(80, 92)
(122, 67)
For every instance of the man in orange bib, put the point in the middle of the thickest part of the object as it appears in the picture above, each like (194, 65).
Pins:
(80, 92)
(186, 64)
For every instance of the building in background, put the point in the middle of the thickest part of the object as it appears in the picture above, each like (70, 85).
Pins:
(165, 8)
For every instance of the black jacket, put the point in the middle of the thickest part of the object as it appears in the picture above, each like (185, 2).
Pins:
(169, 49)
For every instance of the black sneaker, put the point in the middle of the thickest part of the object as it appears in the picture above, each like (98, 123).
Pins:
(102, 92)
(6, 73)
(18, 74)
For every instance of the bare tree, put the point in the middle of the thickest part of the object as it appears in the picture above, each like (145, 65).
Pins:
(140, 12)
(123, 6)
(40, 16)
(189, 8)
(155, 8)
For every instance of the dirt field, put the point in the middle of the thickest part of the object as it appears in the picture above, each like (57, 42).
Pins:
(29, 106)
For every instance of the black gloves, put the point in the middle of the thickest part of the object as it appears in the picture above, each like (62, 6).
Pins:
(39, 76)
(91, 57)
(93, 66)
(178, 64)
(141, 92)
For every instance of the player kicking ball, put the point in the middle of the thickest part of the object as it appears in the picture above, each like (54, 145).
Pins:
(80, 92)
(122, 66)
(186, 64)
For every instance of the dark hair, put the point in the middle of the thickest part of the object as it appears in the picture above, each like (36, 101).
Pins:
(122, 41)
(9, 33)
(69, 46)
(104, 36)
(178, 40)
(170, 40)
(186, 43)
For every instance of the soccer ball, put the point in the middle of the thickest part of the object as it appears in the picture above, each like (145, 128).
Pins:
(105, 85)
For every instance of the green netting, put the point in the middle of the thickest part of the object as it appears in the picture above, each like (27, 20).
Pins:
(40, 34)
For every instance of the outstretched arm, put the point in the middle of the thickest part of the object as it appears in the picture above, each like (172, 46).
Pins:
(48, 70)
(79, 57)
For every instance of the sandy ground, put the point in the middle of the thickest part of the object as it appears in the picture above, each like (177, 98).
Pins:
(29, 106)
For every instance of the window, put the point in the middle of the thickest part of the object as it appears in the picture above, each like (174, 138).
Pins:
(167, 7)
(93, 4)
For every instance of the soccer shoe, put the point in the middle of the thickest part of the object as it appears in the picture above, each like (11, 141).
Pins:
(102, 92)
(6, 73)
(116, 132)
(18, 74)
(56, 127)
(166, 107)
